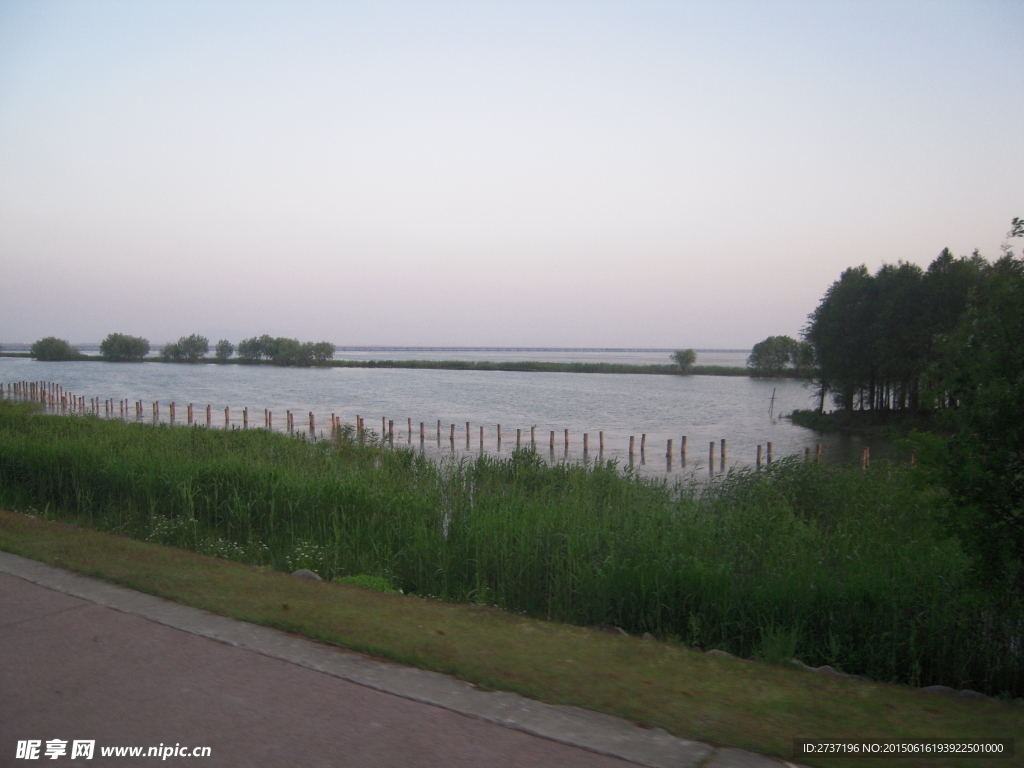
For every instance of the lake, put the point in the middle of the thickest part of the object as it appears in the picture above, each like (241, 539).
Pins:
(703, 408)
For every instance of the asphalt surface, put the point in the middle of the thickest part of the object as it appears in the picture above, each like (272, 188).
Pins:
(124, 669)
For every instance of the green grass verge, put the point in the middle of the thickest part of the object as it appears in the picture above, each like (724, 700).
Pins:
(722, 701)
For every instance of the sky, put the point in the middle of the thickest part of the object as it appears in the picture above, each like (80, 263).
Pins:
(549, 174)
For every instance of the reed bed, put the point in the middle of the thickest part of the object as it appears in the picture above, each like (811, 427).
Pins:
(831, 564)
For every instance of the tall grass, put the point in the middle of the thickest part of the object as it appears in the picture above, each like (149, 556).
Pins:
(842, 566)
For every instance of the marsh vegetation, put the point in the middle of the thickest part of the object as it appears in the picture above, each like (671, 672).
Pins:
(829, 563)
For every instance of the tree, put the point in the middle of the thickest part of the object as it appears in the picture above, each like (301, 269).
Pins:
(225, 349)
(171, 352)
(193, 347)
(53, 349)
(119, 347)
(982, 467)
(323, 351)
(772, 356)
(685, 359)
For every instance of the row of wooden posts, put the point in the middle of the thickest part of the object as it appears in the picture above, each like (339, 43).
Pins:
(55, 396)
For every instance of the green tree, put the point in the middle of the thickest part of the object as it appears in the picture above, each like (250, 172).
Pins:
(193, 347)
(685, 359)
(323, 351)
(171, 352)
(225, 349)
(119, 347)
(53, 349)
(982, 467)
(772, 357)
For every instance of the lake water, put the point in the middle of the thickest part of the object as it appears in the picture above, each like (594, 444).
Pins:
(703, 408)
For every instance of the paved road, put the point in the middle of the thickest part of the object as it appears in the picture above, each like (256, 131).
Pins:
(72, 669)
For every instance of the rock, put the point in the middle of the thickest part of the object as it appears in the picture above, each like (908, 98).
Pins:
(800, 665)
(610, 629)
(945, 690)
(830, 671)
(723, 654)
(969, 694)
(647, 636)
(305, 573)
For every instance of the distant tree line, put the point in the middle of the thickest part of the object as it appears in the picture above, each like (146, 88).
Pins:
(120, 347)
(284, 351)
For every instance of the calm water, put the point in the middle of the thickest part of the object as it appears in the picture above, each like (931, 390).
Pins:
(704, 408)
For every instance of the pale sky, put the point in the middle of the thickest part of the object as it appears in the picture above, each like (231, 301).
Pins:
(625, 174)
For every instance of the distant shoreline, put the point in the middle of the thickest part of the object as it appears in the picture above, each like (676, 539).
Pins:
(527, 366)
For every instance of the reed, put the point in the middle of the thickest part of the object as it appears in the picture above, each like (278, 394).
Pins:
(845, 563)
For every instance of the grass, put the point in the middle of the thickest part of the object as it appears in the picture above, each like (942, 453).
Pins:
(723, 701)
(837, 565)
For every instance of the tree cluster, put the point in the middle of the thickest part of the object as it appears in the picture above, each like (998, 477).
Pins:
(781, 356)
(284, 351)
(187, 349)
(877, 338)
(121, 348)
(53, 349)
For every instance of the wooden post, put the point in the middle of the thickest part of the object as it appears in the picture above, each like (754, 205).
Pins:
(769, 453)
(499, 433)
(533, 435)
(467, 432)
(245, 417)
(631, 441)
(711, 455)
(208, 414)
(643, 443)
(723, 453)
(817, 453)
(270, 419)
(913, 458)
(807, 455)
(312, 426)
(383, 427)
(567, 439)
(519, 438)
(227, 417)
(171, 408)
(682, 449)
(867, 458)
(668, 449)
(552, 441)
(586, 442)
(409, 419)
(452, 438)
(481, 437)
(423, 432)
(438, 431)
(758, 465)
(600, 441)
(190, 414)
(391, 430)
